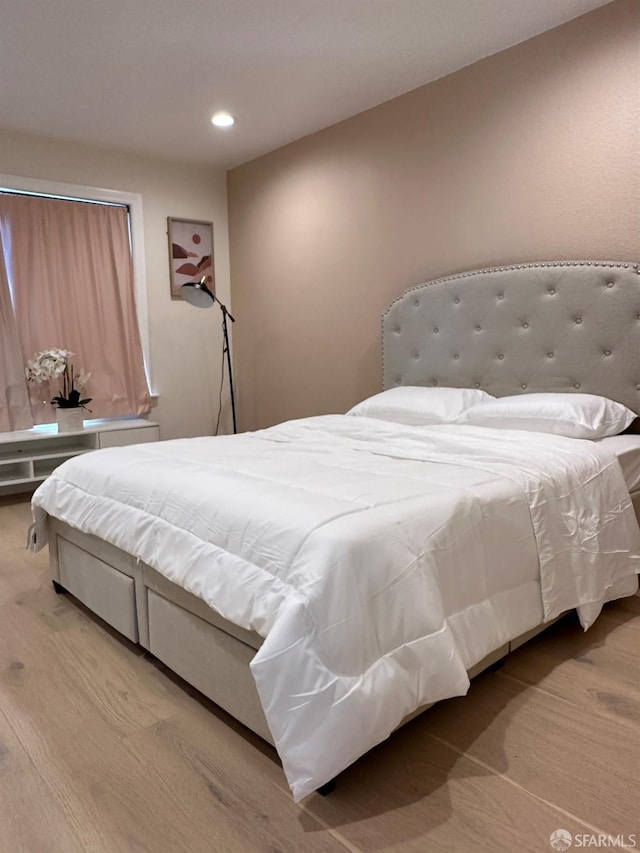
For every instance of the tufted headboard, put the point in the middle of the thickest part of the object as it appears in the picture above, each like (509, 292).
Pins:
(557, 326)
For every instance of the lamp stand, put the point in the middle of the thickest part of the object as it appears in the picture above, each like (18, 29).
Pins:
(226, 350)
(197, 293)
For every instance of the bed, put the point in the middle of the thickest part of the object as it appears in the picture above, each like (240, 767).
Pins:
(181, 581)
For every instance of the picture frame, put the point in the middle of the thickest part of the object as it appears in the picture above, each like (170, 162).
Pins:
(190, 253)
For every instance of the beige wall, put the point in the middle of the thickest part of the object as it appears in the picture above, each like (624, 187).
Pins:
(530, 154)
(185, 343)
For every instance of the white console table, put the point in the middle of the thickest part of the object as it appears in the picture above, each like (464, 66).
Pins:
(27, 457)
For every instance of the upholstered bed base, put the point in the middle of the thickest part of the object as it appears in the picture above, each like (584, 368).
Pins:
(179, 629)
(175, 626)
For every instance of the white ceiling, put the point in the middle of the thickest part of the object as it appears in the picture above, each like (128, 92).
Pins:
(147, 75)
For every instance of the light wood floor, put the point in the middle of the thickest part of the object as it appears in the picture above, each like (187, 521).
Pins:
(102, 750)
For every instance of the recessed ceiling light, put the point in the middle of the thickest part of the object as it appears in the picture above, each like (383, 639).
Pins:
(222, 120)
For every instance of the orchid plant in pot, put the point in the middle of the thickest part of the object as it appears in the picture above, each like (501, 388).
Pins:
(54, 365)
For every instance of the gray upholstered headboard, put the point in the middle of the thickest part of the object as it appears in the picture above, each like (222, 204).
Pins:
(557, 326)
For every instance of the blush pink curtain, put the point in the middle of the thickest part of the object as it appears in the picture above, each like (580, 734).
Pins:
(72, 279)
(15, 411)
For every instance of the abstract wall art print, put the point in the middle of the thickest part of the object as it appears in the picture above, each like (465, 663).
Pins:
(190, 253)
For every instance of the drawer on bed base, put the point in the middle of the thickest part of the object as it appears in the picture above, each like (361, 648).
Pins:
(106, 591)
(211, 660)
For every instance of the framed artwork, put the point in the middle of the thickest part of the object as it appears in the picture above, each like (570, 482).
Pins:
(190, 253)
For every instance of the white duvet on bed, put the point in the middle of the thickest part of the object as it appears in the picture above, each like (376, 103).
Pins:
(369, 555)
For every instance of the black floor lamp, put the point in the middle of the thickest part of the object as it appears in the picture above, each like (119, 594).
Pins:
(197, 293)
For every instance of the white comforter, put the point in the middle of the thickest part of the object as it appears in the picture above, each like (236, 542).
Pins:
(371, 556)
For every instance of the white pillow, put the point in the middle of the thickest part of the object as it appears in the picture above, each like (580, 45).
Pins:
(572, 415)
(419, 406)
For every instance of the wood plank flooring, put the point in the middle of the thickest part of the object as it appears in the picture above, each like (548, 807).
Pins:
(103, 750)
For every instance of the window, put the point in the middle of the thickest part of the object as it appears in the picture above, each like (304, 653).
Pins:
(70, 273)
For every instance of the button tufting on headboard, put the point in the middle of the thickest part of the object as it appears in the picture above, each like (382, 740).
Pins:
(582, 330)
